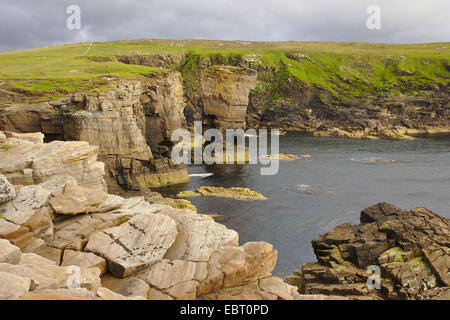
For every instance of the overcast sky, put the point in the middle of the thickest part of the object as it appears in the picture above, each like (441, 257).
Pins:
(36, 23)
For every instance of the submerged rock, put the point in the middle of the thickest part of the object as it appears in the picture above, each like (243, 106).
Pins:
(236, 193)
(280, 156)
(73, 199)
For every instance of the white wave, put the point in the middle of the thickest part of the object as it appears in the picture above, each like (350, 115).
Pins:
(201, 175)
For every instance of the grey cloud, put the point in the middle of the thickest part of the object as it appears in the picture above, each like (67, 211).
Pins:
(30, 23)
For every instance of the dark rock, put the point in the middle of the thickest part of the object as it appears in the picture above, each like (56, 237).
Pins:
(411, 248)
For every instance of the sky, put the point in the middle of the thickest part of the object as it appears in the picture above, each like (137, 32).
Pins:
(28, 24)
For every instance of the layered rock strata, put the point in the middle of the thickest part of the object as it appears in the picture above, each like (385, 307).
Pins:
(124, 249)
(225, 95)
(130, 121)
(28, 160)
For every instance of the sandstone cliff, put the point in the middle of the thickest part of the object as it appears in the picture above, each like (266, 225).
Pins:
(131, 122)
(337, 91)
(28, 160)
(225, 92)
(339, 103)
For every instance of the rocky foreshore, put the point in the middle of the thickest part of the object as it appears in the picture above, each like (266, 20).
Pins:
(55, 213)
(411, 248)
(52, 219)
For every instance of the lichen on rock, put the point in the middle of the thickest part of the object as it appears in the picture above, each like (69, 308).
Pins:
(236, 193)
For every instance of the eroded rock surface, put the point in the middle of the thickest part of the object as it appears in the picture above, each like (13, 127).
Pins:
(225, 95)
(58, 228)
(30, 162)
(411, 248)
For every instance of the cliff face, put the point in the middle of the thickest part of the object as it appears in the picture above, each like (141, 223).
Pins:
(225, 95)
(131, 122)
(29, 160)
(326, 94)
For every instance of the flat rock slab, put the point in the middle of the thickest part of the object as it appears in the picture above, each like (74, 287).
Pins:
(73, 199)
(32, 258)
(135, 244)
(106, 294)
(74, 232)
(9, 253)
(165, 273)
(83, 259)
(29, 199)
(199, 236)
(46, 276)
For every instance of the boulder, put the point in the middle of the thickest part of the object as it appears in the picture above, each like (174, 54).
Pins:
(9, 253)
(83, 259)
(7, 228)
(135, 244)
(154, 294)
(165, 274)
(276, 286)
(198, 236)
(110, 203)
(7, 191)
(106, 294)
(409, 246)
(50, 253)
(46, 276)
(73, 199)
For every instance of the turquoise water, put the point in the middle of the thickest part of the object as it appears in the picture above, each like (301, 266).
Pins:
(311, 196)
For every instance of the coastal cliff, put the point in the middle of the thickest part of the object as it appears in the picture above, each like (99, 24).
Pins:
(128, 97)
(130, 121)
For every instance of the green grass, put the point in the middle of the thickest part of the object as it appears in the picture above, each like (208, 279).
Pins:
(5, 147)
(346, 70)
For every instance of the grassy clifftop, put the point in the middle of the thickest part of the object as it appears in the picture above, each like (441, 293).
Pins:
(343, 69)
